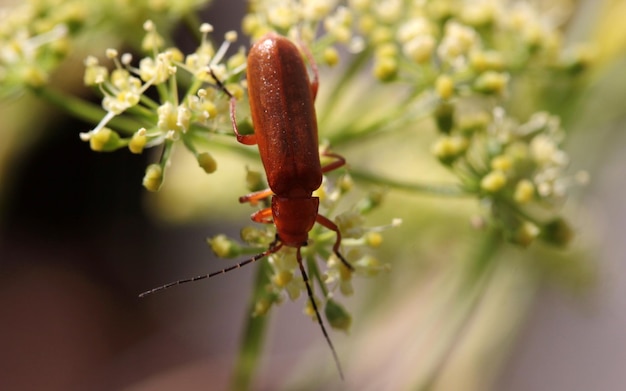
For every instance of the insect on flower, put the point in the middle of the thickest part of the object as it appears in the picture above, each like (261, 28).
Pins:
(285, 130)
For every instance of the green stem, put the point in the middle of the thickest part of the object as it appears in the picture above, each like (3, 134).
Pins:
(407, 112)
(350, 73)
(84, 110)
(314, 274)
(192, 22)
(474, 291)
(446, 190)
(253, 336)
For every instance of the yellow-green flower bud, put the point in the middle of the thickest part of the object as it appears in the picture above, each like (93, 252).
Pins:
(381, 34)
(444, 85)
(105, 140)
(373, 239)
(153, 178)
(493, 182)
(138, 142)
(224, 247)
(524, 191)
(207, 162)
(385, 68)
(485, 61)
(282, 278)
(491, 82)
(337, 316)
(175, 54)
(501, 163)
(448, 148)
(525, 234)
(34, 76)
(331, 56)
(367, 23)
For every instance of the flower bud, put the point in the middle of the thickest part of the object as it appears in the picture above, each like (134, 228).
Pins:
(331, 56)
(444, 116)
(524, 191)
(224, 247)
(207, 162)
(448, 148)
(282, 278)
(557, 232)
(337, 316)
(138, 142)
(493, 182)
(373, 239)
(153, 178)
(386, 68)
(525, 234)
(104, 140)
(491, 82)
(444, 85)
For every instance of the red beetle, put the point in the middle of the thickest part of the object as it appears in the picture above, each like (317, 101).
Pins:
(285, 130)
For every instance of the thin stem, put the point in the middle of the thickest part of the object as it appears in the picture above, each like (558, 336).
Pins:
(314, 273)
(192, 22)
(253, 335)
(446, 190)
(85, 110)
(351, 72)
(475, 293)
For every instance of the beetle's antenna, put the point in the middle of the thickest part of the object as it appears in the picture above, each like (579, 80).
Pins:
(317, 312)
(272, 249)
(219, 84)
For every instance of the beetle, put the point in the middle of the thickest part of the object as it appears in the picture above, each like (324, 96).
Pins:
(281, 98)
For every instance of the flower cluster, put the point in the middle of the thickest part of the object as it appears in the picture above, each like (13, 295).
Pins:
(479, 41)
(33, 40)
(36, 36)
(172, 119)
(517, 169)
(285, 280)
(461, 59)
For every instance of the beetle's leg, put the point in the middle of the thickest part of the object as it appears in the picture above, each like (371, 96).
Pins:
(263, 216)
(333, 227)
(339, 162)
(309, 291)
(255, 197)
(247, 139)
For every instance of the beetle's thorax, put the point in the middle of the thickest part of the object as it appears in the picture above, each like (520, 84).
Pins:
(294, 218)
